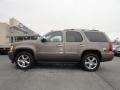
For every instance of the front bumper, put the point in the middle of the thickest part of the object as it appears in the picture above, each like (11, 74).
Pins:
(11, 56)
(4, 49)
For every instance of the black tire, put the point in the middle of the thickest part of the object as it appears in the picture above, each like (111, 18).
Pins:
(118, 55)
(83, 61)
(1, 52)
(31, 60)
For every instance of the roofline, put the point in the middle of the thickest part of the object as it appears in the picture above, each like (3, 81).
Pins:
(83, 29)
(76, 30)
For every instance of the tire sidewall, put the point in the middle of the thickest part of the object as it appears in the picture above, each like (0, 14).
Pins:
(24, 53)
(84, 58)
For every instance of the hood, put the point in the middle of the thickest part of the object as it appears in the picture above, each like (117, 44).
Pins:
(26, 42)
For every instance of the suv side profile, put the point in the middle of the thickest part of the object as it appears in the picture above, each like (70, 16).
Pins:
(87, 47)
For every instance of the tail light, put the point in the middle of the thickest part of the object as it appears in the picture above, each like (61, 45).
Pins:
(110, 47)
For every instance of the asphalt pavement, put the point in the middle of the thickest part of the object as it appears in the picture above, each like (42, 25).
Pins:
(59, 77)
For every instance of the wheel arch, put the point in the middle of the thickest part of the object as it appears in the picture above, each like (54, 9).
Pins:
(97, 52)
(31, 51)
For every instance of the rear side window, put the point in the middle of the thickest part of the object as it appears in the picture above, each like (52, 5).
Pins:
(73, 36)
(96, 36)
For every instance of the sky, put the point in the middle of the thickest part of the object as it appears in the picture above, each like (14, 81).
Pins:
(43, 16)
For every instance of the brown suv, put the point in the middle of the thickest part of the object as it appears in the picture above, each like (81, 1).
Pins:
(87, 47)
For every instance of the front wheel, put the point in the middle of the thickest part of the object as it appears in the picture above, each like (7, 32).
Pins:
(90, 62)
(24, 60)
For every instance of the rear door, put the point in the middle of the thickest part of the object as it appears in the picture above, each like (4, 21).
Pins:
(73, 45)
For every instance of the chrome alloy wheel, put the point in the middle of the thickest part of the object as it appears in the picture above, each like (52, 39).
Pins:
(23, 61)
(91, 62)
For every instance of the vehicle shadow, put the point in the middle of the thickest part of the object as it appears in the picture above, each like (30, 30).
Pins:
(57, 66)
(3, 54)
(117, 56)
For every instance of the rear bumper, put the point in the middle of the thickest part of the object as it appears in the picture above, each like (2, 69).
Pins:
(107, 57)
(11, 56)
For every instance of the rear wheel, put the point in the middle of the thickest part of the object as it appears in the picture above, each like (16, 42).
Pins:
(24, 60)
(90, 62)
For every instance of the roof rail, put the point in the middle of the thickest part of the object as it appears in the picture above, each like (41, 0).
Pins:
(82, 29)
(94, 30)
(69, 29)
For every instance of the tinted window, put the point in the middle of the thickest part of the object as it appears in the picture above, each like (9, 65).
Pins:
(72, 36)
(54, 37)
(96, 36)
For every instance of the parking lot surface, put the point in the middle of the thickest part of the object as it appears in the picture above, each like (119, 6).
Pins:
(59, 77)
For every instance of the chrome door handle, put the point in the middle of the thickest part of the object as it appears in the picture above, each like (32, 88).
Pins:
(82, 45)
(59, 45)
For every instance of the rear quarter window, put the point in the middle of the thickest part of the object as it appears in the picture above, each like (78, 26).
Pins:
(96, 36)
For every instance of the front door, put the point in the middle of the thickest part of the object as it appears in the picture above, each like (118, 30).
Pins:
(53, 48)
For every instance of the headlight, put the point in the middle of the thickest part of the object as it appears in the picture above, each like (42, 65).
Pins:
(12, 48)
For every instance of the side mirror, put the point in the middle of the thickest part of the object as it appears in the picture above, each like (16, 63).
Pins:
(43, 40)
